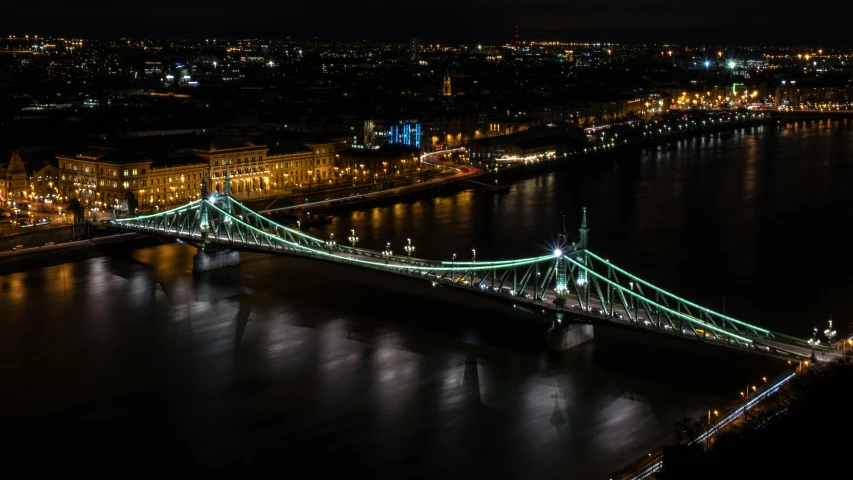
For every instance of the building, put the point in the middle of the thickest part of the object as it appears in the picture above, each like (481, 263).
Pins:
(414, 50)
(536, 146)
(13, 179)
(44, 181)
(559, 138)
(408, 133)
(101, 176)
(374, 164)
(813, 97)
(446, 88)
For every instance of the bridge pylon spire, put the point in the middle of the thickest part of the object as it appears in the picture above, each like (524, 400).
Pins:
(204, 214)
(227, 189)
(204, 185)
(561, 268)
(584, 232)
(582, 245)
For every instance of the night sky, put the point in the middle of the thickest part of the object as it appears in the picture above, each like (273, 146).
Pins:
(706, 21)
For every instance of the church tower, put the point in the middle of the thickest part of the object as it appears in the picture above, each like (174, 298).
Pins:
(446, 89)
(16, 177)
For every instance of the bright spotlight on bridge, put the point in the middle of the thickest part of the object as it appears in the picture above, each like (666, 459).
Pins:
(558, 253)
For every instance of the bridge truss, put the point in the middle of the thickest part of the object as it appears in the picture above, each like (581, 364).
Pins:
(603, 291)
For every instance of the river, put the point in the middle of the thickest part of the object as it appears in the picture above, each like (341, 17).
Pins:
(127, 363)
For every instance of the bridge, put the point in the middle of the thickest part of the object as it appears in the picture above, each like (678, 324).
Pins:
(570, 282)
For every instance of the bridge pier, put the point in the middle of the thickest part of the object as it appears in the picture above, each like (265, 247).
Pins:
(206, 260)
(563, 337)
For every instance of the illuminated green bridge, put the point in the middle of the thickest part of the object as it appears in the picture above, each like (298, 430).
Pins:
(570, 283)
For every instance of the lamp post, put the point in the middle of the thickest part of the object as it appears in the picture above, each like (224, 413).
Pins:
(330, 244)
(473, 254)
(387, 252)
(453, 265)
(708, 438)
(410, 249)
(746, 403)
(352, 238)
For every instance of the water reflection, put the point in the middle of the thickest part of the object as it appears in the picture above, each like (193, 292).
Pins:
(293, 357)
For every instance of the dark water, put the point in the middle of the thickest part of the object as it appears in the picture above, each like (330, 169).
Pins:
(127, 364)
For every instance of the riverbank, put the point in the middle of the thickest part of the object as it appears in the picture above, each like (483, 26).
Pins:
(511, 172)
(46, 256)
(39, 237)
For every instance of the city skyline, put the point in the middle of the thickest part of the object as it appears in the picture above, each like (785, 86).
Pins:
(724, 22)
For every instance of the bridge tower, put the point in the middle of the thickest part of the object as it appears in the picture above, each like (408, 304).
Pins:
(583, 243)
(209, 257)
(584, 232)
(562, 291)
(226, 190)
(204, 214)
(563, 336)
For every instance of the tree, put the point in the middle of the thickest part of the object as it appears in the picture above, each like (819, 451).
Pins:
(77, 209)
(132, 203)
(686, 429)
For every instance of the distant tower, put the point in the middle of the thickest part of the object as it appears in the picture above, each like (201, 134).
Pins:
(446, 89)
(515, 39)
(414, 50)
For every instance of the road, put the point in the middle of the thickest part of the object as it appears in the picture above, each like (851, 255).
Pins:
(462, 171)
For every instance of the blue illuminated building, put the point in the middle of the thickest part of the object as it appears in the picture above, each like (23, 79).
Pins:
(405, 134)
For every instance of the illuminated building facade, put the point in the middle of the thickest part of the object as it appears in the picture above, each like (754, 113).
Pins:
(101, 177)
(405, 134)
(13, 178)
(372, 165)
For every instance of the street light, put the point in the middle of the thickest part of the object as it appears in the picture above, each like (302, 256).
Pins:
(410, 249)
(352, 238)
(474, 254)
(708, 437)
(330, 244)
